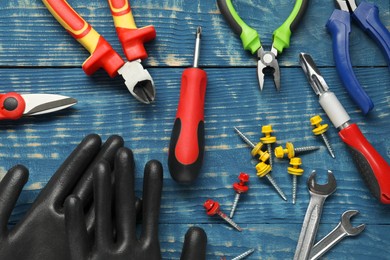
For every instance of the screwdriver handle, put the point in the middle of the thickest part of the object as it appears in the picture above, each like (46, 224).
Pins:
(102, 54)
(372, 166)
(131, 37)
(187, 140)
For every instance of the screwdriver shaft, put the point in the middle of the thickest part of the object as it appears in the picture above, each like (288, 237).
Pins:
(197, 46)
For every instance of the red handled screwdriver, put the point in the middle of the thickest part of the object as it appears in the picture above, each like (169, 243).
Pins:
(372, 166)
(186, 148)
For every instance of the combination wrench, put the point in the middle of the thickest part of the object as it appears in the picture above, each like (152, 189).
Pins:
(318, 195)
(342, 230)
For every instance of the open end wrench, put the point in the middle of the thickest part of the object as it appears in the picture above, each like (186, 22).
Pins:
(343, 229)
(318, 195)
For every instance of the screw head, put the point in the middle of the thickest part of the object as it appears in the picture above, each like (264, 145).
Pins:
(279, 152)
(262, 169)
(211, 206)
(243, 177)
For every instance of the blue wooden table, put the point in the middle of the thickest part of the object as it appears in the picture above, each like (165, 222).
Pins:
(38, 56)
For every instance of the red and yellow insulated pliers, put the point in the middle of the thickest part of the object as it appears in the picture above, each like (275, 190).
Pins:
(137, 79)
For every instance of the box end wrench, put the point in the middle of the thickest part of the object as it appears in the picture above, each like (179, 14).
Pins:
(318, 195)
(342, 230)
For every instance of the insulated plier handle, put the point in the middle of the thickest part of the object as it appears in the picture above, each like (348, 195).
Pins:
(267, 60)
(250, 38)
(366, 15)
(131, 37)
(102, 53)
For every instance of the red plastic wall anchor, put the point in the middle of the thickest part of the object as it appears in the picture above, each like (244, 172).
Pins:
(133, 40)
(104, 57)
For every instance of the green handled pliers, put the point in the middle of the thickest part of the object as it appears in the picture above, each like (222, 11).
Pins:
(251, 40)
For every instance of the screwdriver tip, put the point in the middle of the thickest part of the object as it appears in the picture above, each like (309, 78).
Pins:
(198, 31)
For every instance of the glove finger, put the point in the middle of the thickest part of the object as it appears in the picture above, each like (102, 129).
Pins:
(10, 188)
(125, 209)
(63, 181)
(153, 180)
(195, 242)
(76, 230)
(84, 188)
(102, 200)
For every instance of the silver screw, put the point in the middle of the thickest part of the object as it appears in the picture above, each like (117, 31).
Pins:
(245, 254)
(212, 208)
(277, 188)
(320, 130)
(239, 187)
(290, 150)
(243, 137)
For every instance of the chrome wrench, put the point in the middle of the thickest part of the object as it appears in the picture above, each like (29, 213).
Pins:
(318, 195)
(342, 230)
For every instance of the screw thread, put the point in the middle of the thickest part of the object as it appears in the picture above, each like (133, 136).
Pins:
(272, 181)
(294, 189)
(327, 143)
(245, 254)
(270, 154)
(244, 138)
(235, 202)
(306, 149)
(228, 220)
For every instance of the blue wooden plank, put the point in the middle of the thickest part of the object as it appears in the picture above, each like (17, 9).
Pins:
(34, 38)
(36, 55)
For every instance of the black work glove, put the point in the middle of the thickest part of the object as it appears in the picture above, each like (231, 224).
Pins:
(40, 234)
(115, 231)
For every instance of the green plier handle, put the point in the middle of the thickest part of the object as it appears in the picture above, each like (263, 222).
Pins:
(250, 38)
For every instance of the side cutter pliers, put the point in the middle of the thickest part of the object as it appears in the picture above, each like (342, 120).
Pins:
(251, 40)
(137, 79)
(366, 15)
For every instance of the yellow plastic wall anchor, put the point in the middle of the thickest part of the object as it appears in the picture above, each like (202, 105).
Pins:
(295, 163)
(267, 139)
(289, 150)
(262, 169)
(263, 155)
(319, 129)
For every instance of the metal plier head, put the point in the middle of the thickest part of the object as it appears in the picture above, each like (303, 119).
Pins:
(347, 5)
(268, 64)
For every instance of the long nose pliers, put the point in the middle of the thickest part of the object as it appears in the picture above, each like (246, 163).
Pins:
(366, 15)
(251, 41)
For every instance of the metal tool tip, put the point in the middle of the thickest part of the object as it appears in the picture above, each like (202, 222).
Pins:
(198, 32)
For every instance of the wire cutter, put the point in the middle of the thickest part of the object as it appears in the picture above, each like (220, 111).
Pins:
(268, 62)
(14, 105)
(366, 15)
(137, 79)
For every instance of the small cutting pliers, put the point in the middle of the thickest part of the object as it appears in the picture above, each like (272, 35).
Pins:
(366, 15)
(251, 41)
(137, 79)
(14, 105)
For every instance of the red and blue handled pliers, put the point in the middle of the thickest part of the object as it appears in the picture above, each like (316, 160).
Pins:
(366, 15)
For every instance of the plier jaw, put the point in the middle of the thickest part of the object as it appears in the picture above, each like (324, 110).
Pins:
(138, 81)
(268, 64)
(347, 5)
